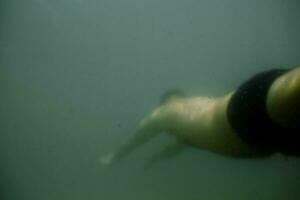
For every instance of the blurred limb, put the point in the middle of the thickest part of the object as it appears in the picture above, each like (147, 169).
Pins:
(133, 143)
(169, 151)
(148, 129)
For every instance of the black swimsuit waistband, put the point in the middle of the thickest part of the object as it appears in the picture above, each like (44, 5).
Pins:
(248, 116)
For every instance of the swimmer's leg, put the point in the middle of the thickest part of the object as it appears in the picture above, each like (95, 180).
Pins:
(169, 151)
(135, 141)
(148, 129)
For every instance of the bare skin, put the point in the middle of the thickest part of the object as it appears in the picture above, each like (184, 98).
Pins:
(283, 102)
(202, 122)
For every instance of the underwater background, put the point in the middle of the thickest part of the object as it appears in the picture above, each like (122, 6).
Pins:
(78, 75)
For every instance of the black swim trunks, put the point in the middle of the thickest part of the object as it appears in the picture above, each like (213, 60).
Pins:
(248, 116)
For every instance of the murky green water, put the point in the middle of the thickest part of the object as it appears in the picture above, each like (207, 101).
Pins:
(77, 75)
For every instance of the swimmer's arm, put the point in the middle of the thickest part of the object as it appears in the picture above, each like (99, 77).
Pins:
(283, 101)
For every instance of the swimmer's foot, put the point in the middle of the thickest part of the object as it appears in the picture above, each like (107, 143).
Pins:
(107, 159)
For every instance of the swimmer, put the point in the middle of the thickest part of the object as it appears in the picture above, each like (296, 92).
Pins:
(260, 118)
